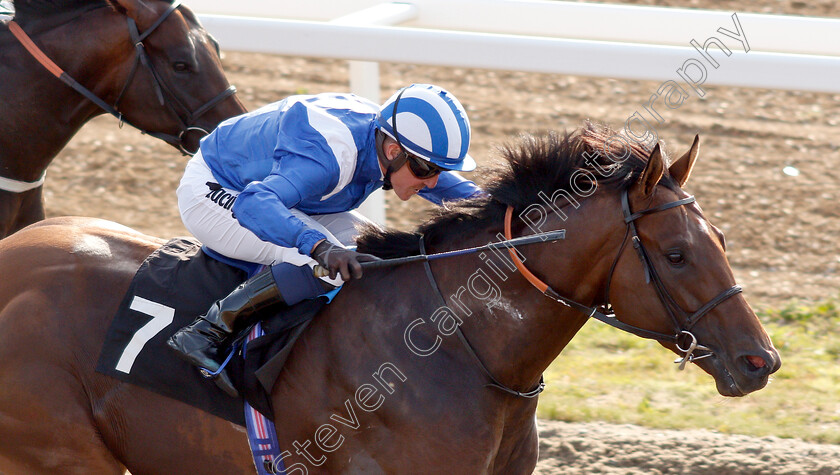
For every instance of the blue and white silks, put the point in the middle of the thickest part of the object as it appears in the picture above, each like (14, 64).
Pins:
(315, 153)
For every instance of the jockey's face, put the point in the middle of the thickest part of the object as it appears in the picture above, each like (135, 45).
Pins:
(405, 183)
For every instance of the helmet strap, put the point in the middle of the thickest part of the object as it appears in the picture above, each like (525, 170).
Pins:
(390, 166)
(398, 161)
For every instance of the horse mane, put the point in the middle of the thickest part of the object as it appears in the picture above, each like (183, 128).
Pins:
(32, 10)
(537, 165)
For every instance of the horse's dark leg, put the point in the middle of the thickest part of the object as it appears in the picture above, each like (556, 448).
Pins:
(31, 209)
(519, 450)
(9, 206)
(18, 210)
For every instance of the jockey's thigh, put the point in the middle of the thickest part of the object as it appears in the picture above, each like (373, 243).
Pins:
(207, 215)
(344, 226)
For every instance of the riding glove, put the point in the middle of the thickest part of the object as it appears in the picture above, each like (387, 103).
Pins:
(339, 260)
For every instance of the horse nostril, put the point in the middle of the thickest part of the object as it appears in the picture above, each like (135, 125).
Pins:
(756, 362)
(757, 366)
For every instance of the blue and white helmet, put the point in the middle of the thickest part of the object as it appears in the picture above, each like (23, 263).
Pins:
(431, 124)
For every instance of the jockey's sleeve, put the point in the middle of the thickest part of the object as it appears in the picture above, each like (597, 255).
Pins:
(263, 206)
(451, 187)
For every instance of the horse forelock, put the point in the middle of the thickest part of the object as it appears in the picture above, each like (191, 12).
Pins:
(533, 169)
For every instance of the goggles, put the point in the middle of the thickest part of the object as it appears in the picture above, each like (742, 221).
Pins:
(422, 169)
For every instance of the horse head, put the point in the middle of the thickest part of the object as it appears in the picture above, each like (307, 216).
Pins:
(672, 276)
(174, 84)
(648, 254)
(637, 253)
(651, 262)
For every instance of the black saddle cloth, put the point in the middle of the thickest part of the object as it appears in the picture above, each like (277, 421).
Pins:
(173, 286)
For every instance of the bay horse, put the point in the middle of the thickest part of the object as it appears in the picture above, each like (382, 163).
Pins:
(149, 62)
(410, 369)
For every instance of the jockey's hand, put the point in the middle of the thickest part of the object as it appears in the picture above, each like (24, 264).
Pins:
(339, 260)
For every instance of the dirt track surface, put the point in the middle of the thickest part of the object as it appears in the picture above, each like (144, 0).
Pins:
(781, 229)
(577, 449)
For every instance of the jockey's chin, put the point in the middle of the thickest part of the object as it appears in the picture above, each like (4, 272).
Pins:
(407, 185)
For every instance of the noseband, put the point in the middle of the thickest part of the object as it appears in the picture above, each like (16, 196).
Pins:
(682, 338)
(684, 322)
(162, 91)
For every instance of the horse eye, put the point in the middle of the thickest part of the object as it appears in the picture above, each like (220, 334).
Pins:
(675, 257)
(181, 67)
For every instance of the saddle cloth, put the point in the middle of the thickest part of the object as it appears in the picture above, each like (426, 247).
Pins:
(171, 288)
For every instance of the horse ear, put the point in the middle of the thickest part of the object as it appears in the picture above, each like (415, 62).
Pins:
(653, 171)
(681, 168)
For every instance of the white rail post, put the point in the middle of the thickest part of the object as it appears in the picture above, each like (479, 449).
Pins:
(364, 78)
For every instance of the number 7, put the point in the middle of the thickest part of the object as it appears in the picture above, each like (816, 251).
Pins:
(161, 317)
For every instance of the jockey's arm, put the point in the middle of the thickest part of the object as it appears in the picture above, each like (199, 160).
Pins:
(451, 187)
(263, 206)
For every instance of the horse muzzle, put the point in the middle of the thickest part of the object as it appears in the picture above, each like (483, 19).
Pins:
(742, 374)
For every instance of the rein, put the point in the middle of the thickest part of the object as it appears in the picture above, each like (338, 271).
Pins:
(683, 330)
(141, 57)
(682, 334)
(551, 236)
(494, 383)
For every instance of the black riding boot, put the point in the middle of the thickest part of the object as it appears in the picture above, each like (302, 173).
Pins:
(204, 343)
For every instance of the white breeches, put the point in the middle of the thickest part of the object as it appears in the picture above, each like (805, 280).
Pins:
(208, 217)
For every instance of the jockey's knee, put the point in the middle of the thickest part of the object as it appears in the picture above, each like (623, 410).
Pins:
(297, 283)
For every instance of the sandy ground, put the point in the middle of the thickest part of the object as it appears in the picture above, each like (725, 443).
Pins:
(577, 449)
(781, 229)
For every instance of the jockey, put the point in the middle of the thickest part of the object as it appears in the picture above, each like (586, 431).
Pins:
(276, 187)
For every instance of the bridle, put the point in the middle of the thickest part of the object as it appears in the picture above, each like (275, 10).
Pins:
(684, 322)
(185, 117)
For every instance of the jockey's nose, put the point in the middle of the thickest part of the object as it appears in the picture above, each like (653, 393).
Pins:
(431, 182)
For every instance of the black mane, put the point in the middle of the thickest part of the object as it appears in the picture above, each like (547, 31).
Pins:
(32, 10)
(536, 164)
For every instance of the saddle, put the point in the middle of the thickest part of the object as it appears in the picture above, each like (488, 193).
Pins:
(175, 284)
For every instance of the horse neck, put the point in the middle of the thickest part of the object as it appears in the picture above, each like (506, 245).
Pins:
(60, 111)
(516, 330)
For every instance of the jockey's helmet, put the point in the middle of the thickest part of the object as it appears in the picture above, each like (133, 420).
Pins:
(430, 123)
